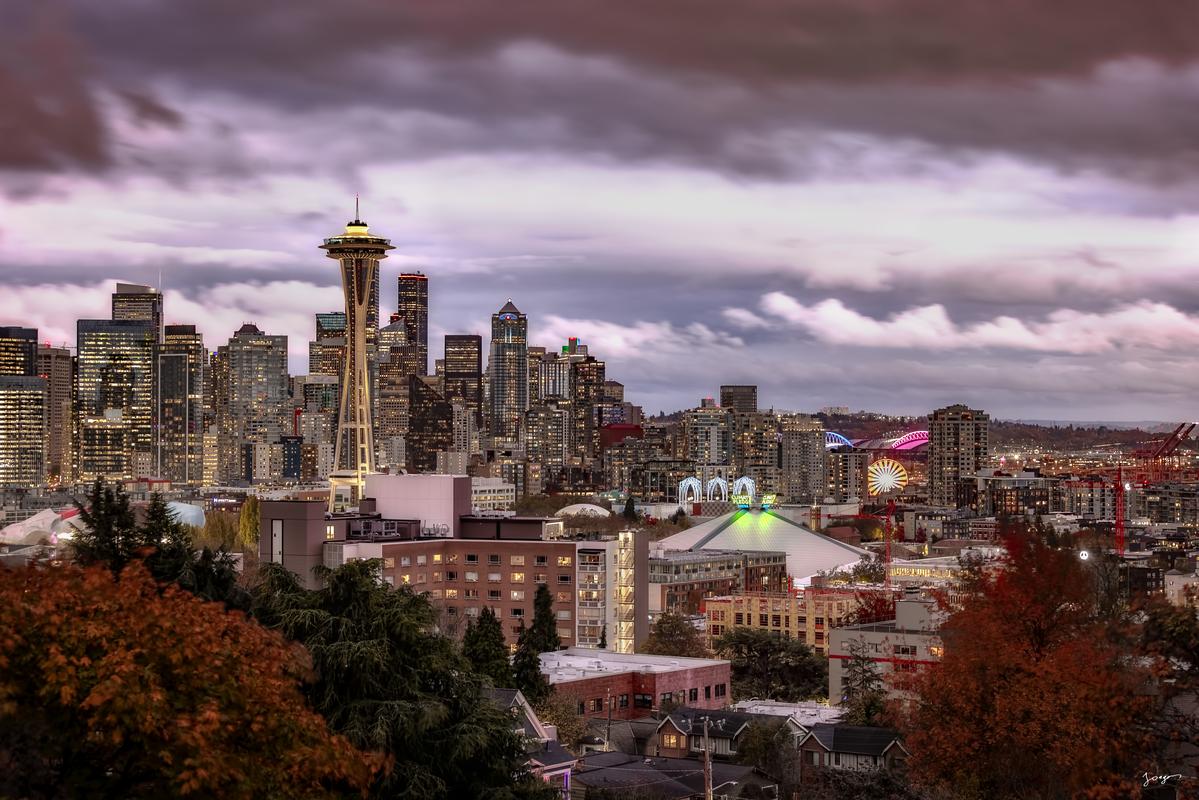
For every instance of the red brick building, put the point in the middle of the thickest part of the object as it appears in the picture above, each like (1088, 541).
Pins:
(634, 685)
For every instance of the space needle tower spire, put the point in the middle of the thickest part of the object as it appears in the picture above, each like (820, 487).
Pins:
(358, 252)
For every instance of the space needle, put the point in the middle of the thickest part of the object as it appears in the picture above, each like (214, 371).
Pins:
(359, 252)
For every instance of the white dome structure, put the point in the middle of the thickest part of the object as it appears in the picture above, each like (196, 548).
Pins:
(187, 513)
(583, 510)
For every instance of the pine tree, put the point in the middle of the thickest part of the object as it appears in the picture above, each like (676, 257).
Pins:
(526, 667)
(544, 631)
(603, 642)
(630, 509)
(862, 687)
(109, 534)
(247, 525)
(483, 646)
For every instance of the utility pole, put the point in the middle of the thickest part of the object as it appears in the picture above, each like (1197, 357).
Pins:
(608, 737)
(707, 764)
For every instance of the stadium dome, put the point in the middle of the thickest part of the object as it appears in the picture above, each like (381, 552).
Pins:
(583, 509)
(187, 513)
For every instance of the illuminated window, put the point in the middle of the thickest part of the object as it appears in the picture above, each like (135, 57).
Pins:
(517, 577)
(493, 577)
(389, 563)
(517, 561)
(422, 560)
(405, 578)
(405, 561)
(437, 558)
(518, 595)
(329, 532)
(436, 577)
(451, 594)
(565, 633)
(472, 577)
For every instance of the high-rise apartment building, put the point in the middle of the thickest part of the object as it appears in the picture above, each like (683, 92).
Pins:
(181, 373)
(538, 361)
(18, 351)
(327, 349)
(56, 366)
(957, 448)
(22, 431)
(430, 425)
(742, 399)
(708, 435)
(756, 445)
(133, 301)
(398, 360)
(115, 382)
(463, 372)
(253, 402)
(801, 458)
(549, 428)
(587, 395)
(358, 254)
(846, 474)
(413, 311)
(508, 374)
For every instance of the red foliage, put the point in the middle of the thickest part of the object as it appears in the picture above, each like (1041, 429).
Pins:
(121, 687)
(1033, 697)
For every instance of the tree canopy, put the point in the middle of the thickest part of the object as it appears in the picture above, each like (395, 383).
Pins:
(483, 646)
(766, 666)
(672, 634)
(112, 538)
(389, 683)
(113, 686)
(1037, 694)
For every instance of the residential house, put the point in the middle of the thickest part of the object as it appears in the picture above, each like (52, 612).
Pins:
(603, 774)
(681, 733)
(849, 747)
(548, 759)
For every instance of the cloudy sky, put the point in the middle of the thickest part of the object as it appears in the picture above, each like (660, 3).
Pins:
(881, 204)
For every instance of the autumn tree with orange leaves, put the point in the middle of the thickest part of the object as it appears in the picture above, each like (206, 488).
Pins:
(1038, 695)
(113, 686)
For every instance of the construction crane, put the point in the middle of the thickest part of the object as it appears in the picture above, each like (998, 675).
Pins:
(1153, 460)
(888, 534)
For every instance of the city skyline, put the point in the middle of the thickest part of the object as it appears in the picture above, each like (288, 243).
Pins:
(842, 223)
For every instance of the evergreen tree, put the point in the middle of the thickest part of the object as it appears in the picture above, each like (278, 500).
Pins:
(526, 667)
(109, 535)
(630, 509)
(862, 688)
(766, 666)
(603, 642)
(388, 682)
(543, 633)
(247, 525)
(172, 558)
(483, 646)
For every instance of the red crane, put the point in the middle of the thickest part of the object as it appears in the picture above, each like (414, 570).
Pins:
(888, 535)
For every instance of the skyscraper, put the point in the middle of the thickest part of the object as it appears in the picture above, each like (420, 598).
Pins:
(358, 253)
(251, 395)
(957, 448)
(463, 372)
(133, 301)
(181, 374)
(742, 399)
(326, 350)
(22, 431)
(413, 311)
(18, 351)
(587, 393)
(57, 367)
(508, 374)
(801, 458)
(430, 425)
(115, 385)
(398, 360)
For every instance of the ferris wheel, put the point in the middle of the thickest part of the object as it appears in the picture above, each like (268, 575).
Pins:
(886, 476)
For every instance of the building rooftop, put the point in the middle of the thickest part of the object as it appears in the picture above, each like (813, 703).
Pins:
(806, 713)
(580, 663)
(854, 739)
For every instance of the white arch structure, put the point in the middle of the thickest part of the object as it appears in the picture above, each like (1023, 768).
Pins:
(745, 485)
(691, 490)
(718, 484)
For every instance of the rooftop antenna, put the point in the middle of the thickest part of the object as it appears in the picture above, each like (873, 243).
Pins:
(356, 208)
